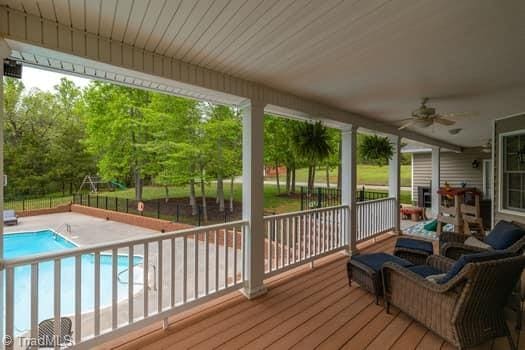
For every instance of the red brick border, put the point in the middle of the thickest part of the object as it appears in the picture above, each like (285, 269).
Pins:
(59, 209)
(136, 220)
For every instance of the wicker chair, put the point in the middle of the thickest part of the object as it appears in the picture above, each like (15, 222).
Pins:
(467, 310)
(46, 333)
(451, 245)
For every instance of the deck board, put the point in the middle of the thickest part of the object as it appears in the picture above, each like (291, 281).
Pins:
(303, 309)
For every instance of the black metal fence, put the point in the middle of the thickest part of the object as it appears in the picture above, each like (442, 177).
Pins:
(160, 209)
(24, 204)
(322, 197)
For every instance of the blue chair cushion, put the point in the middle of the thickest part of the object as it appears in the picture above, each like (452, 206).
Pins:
(376, 260)
(424, 270)
(473, 258)
(415, 244)
(503, 235)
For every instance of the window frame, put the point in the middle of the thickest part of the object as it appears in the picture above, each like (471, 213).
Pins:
(501, 164)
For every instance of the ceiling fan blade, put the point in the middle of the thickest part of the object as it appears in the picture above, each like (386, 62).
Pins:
(444, 121)
(406, 125)
(459, 114)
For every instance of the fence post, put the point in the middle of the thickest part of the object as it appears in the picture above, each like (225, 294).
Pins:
(319, 197)
(116, 204)
(302, 198)
(23, 204)
(158, 208)
(177, 212)
(106, 202)
(50, 202)
(97, 200)
(80, 198)
(362, 194)
(199, 212)
(127, 205)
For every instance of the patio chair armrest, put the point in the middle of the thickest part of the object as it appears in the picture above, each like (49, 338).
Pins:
(439, 262)
(392, 270)
(456, 250)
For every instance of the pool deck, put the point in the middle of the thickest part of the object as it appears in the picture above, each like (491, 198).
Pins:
(85, 230)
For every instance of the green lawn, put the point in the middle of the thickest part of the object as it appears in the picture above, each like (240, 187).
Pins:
(366, 175)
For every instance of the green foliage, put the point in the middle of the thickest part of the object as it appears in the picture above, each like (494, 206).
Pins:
(376, 149)
(312, 142)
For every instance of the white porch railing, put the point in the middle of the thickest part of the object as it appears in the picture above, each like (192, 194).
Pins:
(190, 267)
(296, 238)
(375, 218)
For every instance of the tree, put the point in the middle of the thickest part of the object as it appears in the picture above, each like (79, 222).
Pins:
(312, 142)
(117, 131)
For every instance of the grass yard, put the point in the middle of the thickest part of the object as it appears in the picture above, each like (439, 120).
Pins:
(372, 175)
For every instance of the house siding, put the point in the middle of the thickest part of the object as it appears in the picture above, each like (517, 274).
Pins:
(456, 168)
(503, 126)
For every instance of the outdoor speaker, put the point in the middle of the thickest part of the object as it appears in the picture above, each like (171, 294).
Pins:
(12, 68)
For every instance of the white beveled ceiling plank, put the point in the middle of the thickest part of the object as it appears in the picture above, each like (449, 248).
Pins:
(162, 23)
(134, 60)
(120, 19)
(150, 21)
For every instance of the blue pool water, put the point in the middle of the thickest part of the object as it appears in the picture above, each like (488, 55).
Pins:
(30, 243)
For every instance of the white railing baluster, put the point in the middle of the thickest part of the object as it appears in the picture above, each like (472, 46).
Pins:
(57, 297)
(216, 237)
(234, 256)
(10, 306)
(114, 288)
(173, 272)
(207, 263)
(243, 249)
(196, 266)
(78, 298)
(160, 280)
(270, 238)
(225, 258)
(97, 293)
(281, 229)
(184, 270)
(145, 279)
(34, 301)
(294, 233)
(131, 281)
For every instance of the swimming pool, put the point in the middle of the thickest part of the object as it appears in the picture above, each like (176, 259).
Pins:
(24, 244)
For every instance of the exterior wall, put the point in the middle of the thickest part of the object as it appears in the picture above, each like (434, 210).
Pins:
(503, 126)
(455, 169)
(136, 220)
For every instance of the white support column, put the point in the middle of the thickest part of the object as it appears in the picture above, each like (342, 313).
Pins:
(349, 184)
(435, 180)
(394, 179)
(5, 51)
(253, 195)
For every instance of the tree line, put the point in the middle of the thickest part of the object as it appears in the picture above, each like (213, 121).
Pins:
(138, 137)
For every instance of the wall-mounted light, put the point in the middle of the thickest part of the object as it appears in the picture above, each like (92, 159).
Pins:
(475, 164)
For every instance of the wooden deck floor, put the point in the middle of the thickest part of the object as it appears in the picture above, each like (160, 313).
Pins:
(304, 309)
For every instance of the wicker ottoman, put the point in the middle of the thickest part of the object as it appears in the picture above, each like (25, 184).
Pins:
(365, 269)
(414, 250)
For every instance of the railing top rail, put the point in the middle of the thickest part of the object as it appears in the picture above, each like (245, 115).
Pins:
(317, 210)
(115, 245)
(375, 200)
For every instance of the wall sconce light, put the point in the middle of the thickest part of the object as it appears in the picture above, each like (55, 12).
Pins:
(475, 164)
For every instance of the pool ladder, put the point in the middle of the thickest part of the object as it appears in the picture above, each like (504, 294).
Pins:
(65, 226)
(153, 267)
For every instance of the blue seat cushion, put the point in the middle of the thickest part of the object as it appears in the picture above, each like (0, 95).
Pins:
(415, 244)
(424, 270)
(503, 235)
(376, 260)
(472, 258)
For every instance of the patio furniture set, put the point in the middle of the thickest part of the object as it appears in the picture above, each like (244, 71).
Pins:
(460, 294)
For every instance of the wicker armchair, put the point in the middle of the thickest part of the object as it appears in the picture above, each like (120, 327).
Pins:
(467, 310)
(451, 245)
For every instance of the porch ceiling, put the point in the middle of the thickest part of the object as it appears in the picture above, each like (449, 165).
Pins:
(376, 58)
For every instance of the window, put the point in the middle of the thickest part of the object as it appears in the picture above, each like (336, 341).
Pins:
(513, 171)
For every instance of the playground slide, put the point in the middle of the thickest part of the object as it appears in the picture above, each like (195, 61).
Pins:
(119, 185)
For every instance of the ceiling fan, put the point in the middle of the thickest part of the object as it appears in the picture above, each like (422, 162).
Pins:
(425, 116)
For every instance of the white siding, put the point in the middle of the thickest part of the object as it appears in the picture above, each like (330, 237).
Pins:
(456, 168)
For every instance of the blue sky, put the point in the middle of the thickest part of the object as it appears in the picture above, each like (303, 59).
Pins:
(46, 80)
